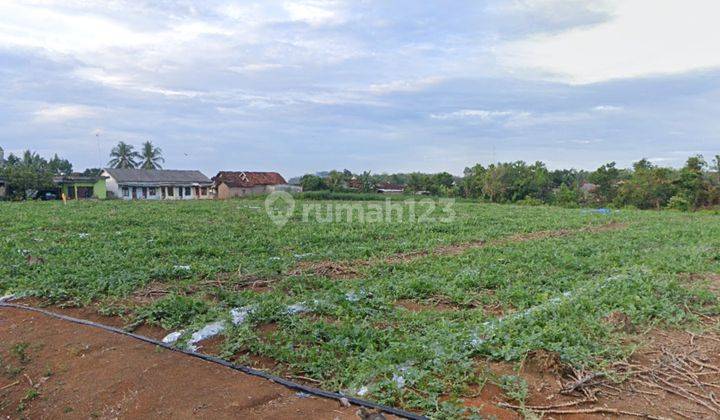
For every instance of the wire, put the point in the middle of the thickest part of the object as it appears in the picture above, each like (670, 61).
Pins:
(245, 369)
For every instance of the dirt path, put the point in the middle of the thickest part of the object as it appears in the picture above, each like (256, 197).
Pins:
(54, 369)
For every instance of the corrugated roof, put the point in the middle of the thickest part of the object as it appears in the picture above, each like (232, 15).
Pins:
(158, 176)
(389, 186)
(248, 179)
(75, 177)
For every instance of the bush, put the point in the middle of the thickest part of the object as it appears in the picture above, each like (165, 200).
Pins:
(678, 202)
(530, 201)
(329, 195)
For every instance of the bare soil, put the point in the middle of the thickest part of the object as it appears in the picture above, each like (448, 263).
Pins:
(56, 369)
(673, 374)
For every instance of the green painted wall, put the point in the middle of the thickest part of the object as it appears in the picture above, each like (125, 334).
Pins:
(99, 188)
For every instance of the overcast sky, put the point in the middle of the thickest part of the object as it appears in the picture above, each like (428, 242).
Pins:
(383, 85)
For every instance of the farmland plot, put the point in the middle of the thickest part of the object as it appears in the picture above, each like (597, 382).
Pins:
(411, 314)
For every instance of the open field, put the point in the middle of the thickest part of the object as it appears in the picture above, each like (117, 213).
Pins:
(424, 316)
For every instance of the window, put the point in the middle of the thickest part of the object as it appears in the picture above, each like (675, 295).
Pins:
(203, 191)
(170, 191)
(188, 191)
(126, 192)
(152, 191)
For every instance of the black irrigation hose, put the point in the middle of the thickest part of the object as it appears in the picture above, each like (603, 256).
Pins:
(245, 369)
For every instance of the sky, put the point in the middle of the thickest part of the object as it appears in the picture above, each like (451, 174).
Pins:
(380, 85)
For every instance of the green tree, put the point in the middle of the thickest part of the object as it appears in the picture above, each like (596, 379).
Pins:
(59, 166)
(692, 183)
(335, 181)
(566, 196)
(92, 172)
(311, 182)
(494, 185)
(649, 186)
(151, 156)
(606, 178)
(473, 181)
(367, 184)
(27, 176)
(417, 182)
(123, 156)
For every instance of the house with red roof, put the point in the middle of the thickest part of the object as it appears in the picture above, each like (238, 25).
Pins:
(243, 184)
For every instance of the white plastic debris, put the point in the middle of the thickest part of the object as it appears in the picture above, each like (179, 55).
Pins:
(210, 330)
(491, 326)
(297, 308)
(182, 267)
(301, 256)
(352, 297)
(7, 298)
(83, 235)
(238, 315)
(363, 391)
(399, 381)
(302, 395)
(172, 337)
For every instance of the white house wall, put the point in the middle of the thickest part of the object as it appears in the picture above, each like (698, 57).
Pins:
(111, 185)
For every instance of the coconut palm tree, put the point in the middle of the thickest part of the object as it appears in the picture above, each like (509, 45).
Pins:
(151, 156)
(123, 156)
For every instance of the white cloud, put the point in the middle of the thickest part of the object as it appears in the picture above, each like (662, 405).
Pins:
(413, 85)
(581, 141)
(478, 114)
(314, 12)
(514, 119)
(62, 113)
(644, 37)
(45, 28)
(608, 108)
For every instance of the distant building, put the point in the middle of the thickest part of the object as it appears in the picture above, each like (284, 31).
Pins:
(354, 184)
(242, 184)
(388, 188)
(147, 184)
(78, 186)
(588, 187)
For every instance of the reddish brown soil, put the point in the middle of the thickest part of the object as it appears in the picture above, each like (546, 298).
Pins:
(415, 306)
(440, 305)
(74, 371)
(333, 270)
(662, 355)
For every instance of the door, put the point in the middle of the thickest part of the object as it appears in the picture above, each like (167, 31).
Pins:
(84, 192)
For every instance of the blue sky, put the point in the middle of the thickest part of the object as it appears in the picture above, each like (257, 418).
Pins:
(308, 85)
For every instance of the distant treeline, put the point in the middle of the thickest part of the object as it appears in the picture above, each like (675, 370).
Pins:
(645, 185)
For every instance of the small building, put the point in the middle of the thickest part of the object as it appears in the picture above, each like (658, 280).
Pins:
(3, 189)
(354, 184)
(388, 188)
(79, 187)
(243, 184)
(157, 184)
(588, 187)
